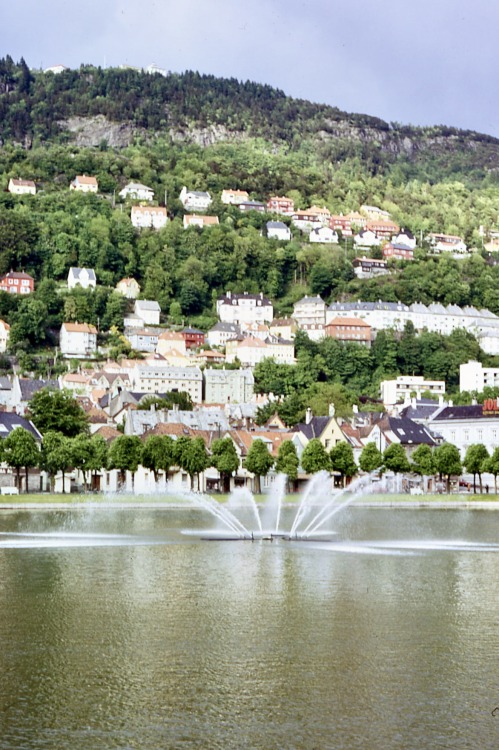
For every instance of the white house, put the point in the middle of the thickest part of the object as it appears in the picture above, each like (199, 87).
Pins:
(148, 216)
(473, 376)
(400, 389)
(21, 187)
(466, 425)
(366, 238)
(221, 333)
(278, 230)
(78, 339)
(244, 308)
(228, 386)
(129, 288)
(148, 311)
(4, 335)
(309, 310)
(137, 191)
(234, 197)
(404, 237)
(84, 184)
(56, 69)
(324, 235)
(194, 220)
(195, 200)
(155, 378)
(84, 277)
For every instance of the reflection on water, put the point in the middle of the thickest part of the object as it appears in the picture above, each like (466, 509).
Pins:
(118, 631)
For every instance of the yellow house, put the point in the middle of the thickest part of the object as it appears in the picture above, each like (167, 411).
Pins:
(326, 429)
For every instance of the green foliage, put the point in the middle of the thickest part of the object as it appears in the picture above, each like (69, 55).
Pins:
(287, 460)
(158, 454)
(371, 458)
(342, 460)
(315, 457)
(57, 455)
(395, 459)
(447, 461)
(475, 461)
(194, 458)
(125, 454)
(20, 449)
(225, 459)
(423, 462)
(258, 461)
(57, 411)
(173, 398)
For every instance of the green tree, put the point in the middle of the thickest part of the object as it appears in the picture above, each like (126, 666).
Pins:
(158, 454)
(371, 458)
(315, 457)
(492, 466)
(474, 460)
(225, 459)
(395, 459)
(28, 324)
(195, 459)
(57, 455)
(423, 461)
(258, 461)
(57, 411)
(287, 461)
(89, 454)
(447, 461)
(342, 460)
(125, 454)
(20, 449)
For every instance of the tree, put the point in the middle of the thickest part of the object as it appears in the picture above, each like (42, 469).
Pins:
(315, 457)
(124, 455)
(474, 460)
(258, 461)
(225, 459)
(395, 459)
(20, 449)
(342, 460)
(57, 411)
(492, 466)
(371, 458)
(158, 454)
(423, 461)
(287, 460)
(89, 453)
(28, 324)
(57, 455)
(195, 458)
(447, 461)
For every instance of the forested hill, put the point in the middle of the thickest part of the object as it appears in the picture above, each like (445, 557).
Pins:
(91, 105)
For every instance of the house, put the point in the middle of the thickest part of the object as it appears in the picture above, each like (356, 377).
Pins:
(447, 243)
(278, 230)
(169, 341)
(375, 213)
(4, 335)
(228, 386)
(405, 237)
(84, 184)
(221, 333)
(326, 235)
(474, 377)
(357, 220)
(21, 187)
(283, 328)
(258, 330)
(56, 69)
(158, 378)
(341, 224)
(403, 430)
(383, 230)
(153, 217)
(366, 238)
(397, 252)
(17, 282)
(323, 214)
(193, 220)
(23, 390)
(78, 339)
(234, 197)
(349, 329)
(128, 288)
(366, 268)
(244, 308)
(280, 350)
(306, 220)
(401, 389)
(206, 357)
(193, 337)
(148, 310)
(196, 200)
(143, 339)
(249, 351)
(6, 394)
(325, 429)
(253, 206)
(137, 191)
(84, 277)
(467, 425)
(281, 205)
(153, 68)
(309, 310)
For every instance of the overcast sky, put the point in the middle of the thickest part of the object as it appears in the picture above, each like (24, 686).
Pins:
(418, 62)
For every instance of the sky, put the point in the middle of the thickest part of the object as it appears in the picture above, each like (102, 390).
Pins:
(418, 62)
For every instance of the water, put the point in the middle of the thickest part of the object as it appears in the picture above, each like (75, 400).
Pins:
(118, 631)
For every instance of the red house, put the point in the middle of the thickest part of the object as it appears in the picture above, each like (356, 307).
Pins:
(399, 252)
(282, 205)
(349, 329)
(341, 223)
(17, 282)
(193, 338)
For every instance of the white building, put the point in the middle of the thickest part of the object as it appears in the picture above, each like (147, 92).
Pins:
(148, 310)
(129, 288)
(155, 378)
(142, 339)
(4, 335)
(194, 220)
(84, 277)
(310, 311)
(326, 235)
(473, 376)
(149, 217)
(234, 197)
(221, 333)
(278, 230)
(228, 386)
(78, 340)
(84, 184)
(137, 191)
(21, 187)
(467, 425)
(406, 238)
(195, 200)
(244, 308)
(400, 389)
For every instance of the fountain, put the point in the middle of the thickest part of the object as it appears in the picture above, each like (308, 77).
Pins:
(242, 519)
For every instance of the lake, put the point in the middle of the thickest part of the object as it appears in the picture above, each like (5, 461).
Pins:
(119, 631)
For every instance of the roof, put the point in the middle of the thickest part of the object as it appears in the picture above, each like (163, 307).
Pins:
(314, 428)
(76, 273)
(22, 183)
(197, 219)
(170, 336)
(409, 432)
(198, 193)
(79, 328)
(137, 186)
(234, 297)
(225, 327)
(30, 386)
(192, 331)
(84, 179)
(277, 225)
(358, 322)
(17, 275)
(146, 304)
(108, 433)
(9, 421)
(475, 411)
(148, 210)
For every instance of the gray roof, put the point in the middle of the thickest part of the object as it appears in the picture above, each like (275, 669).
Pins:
(30, 386)
(315, 300)
(212, 374)
(227, 327)
(5, 384)
(314, 428)
(201, 419)
(199, 193)
(76, 272)
(410, 432)
(9, 422)
(147, 304)
(277, 225)
(475, 411)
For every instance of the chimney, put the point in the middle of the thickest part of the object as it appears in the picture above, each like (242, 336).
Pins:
(331, 410)
(474, 402)
(451, 402)
(355, 409)
(308, 415)
(441, 399)
(414, 402)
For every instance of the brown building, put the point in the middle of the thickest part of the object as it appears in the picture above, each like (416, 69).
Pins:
(193, 338)
(349, 329)
(17, 282)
